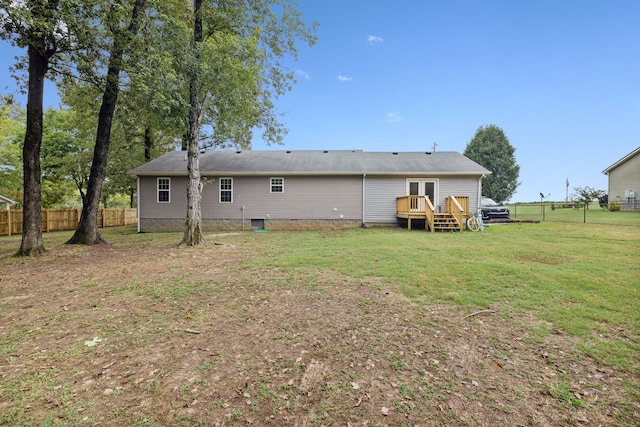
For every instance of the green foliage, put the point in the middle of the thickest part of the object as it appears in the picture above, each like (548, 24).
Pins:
(240, 68)
(11, 136)
(491, 148)
(587, 194)
(614, 206)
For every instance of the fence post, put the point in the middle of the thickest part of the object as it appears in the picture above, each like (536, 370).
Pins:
(46, 220)
(9, 220)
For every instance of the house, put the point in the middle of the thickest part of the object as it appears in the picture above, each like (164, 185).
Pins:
(5, 203)
(279, 190)
(624, 181)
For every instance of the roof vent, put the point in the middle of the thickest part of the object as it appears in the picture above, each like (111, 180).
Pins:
(325, 151)
(395, 153)
(427, 152)
(238, 152)
(288, 151)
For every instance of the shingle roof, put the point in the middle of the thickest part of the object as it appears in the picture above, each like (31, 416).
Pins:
(315, 162)
(621, 161)
(4, 199)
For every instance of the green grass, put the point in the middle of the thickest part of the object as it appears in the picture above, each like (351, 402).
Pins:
(582, 278)
(594, 215)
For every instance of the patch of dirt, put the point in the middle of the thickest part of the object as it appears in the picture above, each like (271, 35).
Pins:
(184, 336)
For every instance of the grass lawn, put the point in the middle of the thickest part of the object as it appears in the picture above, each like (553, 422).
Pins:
(583, 279)
(593, 215)
(521, 324)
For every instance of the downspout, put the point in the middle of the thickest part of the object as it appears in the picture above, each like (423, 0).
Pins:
(364, 198)
(479, 192)
(138, 201)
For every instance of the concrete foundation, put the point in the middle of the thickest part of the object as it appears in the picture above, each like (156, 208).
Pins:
(160, 225)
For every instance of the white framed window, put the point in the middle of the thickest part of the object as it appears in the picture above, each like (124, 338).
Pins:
(164, 190)
(277, 185)
(226, 190)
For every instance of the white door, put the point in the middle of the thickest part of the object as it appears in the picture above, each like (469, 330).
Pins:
(423, 187)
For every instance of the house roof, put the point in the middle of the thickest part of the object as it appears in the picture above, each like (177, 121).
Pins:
(314, 162)
(621, 161)
(4, 200)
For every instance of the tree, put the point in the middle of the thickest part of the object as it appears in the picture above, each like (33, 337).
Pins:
(32, 26)
(66, 156)
(45, 28)
(491, 149)
(587, 194)
(234, 71)
(87, 231)
(193, 223)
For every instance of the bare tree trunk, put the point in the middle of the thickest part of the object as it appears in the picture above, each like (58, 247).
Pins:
(32, 210)
(87, 232)
(193, 223)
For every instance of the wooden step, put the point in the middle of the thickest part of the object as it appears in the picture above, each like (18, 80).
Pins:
(445, 222)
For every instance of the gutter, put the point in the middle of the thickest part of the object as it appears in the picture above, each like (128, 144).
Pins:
(364, 197)
(138, 201)
(431, 174)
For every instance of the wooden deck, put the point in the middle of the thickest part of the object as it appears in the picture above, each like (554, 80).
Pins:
(421, 208)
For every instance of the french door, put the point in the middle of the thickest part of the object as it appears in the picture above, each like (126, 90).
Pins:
(422, 187)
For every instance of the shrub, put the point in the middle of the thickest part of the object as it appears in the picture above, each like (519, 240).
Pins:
(614, 206)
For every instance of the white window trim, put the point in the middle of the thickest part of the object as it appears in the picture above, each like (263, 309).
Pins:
(220, 190)
(421, 181)
(271, 185)
(158, 190)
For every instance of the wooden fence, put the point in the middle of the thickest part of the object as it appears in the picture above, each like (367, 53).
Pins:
(65, 219)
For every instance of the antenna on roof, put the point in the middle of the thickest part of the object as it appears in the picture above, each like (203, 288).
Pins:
(435, 144)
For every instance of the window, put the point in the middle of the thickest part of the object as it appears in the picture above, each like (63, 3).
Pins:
(277, 185)
(164, 190)
(226, 190)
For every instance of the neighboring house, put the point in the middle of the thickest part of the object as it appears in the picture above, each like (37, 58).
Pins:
(5, 203)
(624, 181)
(279, 190)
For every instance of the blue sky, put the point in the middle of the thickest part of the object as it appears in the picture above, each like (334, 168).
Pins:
(560, 77)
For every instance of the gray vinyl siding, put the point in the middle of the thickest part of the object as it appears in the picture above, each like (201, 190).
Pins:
(148, 194)
(380, 203)
(381, 193)
(459, 186)
(625, 176)
(303, 198)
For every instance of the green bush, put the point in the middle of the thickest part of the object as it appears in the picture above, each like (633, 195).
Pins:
(614, 206)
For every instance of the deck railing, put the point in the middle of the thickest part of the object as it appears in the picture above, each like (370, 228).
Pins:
(455, 208)
(421, 207)
(416, 207)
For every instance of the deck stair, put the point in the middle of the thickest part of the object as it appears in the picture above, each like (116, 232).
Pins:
(445, 222)
(413, 207)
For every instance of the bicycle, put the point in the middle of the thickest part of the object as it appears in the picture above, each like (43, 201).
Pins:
(474, 222)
